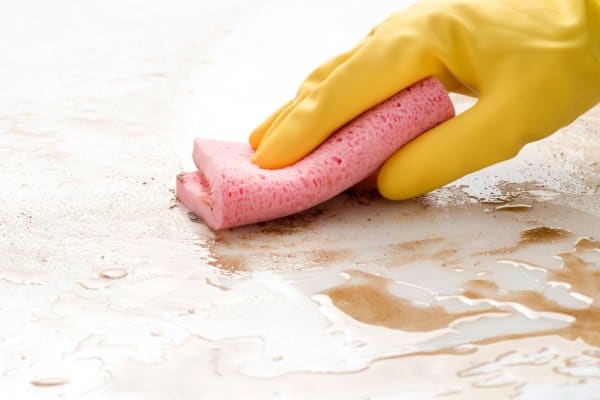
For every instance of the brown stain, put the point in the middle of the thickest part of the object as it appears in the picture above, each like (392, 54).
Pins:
(582, 276)
(219, 238)
(371, 303)
(229, 263)
(328, 256)
(363, 194)
(585, 243)
(285, 226)
(243, 237)
(416, 250)
(543, 234)
(521, 189)
(586, 325)
(424, 202)
(480, 289)
(498, 251)
(444, 254)
(414, 245)
(530, 236)
(511, 191)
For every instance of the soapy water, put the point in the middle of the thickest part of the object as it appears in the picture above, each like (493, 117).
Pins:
(488, 286)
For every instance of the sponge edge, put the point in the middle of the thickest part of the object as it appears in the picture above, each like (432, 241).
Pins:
(228, 190)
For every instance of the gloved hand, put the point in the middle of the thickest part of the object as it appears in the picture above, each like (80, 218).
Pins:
(533, 64)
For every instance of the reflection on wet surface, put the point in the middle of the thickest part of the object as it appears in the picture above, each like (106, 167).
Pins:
(369, 301)
(536, 235)
(586, 324)
(513, 207)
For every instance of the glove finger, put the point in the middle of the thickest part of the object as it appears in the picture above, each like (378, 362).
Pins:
(372, 74)
(477, 138)
(312, 80)
(321, 73)
(258, 133)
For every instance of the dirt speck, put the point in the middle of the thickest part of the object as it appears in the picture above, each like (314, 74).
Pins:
(291, 224)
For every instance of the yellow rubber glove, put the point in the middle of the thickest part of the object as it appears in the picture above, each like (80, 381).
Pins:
(533, 64)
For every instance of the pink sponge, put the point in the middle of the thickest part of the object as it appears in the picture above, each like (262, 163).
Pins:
(228, 190)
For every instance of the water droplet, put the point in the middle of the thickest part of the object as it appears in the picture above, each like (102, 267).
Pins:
(93, 284)
(22, 277)
(578, 361)
(466, 348)
(113, 273)
(513, 207)
(592, 353)
(49, 382)
(496, 381)
(581, 367)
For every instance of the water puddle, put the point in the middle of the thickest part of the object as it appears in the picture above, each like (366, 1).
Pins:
(49, 382)
(22, 277)
(368, 298)
(93, 284)
(113, 273)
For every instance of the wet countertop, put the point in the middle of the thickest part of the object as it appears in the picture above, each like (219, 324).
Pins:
(489, 287)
